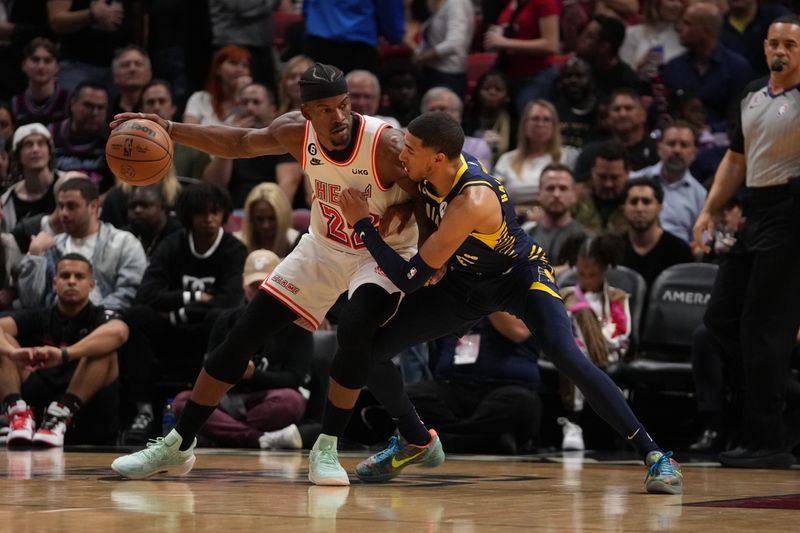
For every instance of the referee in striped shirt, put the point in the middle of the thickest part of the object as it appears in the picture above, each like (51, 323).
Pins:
(755, 304)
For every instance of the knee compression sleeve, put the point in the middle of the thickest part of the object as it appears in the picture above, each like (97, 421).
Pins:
(264, 316)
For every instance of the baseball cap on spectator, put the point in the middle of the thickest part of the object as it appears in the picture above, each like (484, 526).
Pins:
(29, 129)
(259, 264)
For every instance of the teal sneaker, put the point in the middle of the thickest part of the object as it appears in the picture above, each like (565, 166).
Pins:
(663, 474)
(399, 454)
(323, 463)
(162, 456)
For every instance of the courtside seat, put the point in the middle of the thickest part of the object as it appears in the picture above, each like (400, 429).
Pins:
(677, 303)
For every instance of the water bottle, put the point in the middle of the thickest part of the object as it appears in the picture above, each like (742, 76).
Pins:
(168, 420)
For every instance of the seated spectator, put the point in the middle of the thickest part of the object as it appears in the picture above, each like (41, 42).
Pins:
(7, 123)
(443, 99)
(62, 360)
(365, 94)
(117, 258)
(267, 221)
(489, 115)
(400, 82)
(745, 30)
(80, 139)
(289, 83)
(599, 44)
(43, 100)
(483, 397)
(149, 219)
(684, 197)
(577, 103)
(24, 22)
(239, 176)
(263, 409)
(188, 162)
(556, 197)
(10, 258)
(601, 322)
(229, 72)
(600, 206)
(526, 34)
(33, 172)
(538, 145)
(655, 41)
(627, 122)
(193, 275)
(445, 40)
(130, 72)
(89, 32)
(649, 250)
(708, 69)
(48, 223)
(115, 203)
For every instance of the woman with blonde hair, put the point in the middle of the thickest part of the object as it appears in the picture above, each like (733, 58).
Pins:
(538, 145)
(230, 71)
(289, 85)
(267, 221)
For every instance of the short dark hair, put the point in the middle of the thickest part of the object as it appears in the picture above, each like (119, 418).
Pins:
(156, 189)
(40, 42)
(658, 191)
(680, 125)
(438, 130)
(90, 84)
(202, 198)
(607, 249)
(612, 31)
(557, 167)
(87, 188)
(75, 257)
(612, 151)
(630, 93)
(789, 18)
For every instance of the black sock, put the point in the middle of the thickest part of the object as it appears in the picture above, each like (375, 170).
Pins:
(412, 428)
(335, 419)
(11, 399)
(71, 402)
(192, 419)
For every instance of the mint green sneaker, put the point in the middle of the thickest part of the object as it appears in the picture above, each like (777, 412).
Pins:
(161, 457)
(399, 454)
(664, 474)
(323, 463)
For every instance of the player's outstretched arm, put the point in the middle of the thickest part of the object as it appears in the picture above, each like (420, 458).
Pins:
(469, 211)
(284, 135)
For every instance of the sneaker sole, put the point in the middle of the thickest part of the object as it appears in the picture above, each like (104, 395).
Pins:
(180, 470)
(659, 487)
(328, 481)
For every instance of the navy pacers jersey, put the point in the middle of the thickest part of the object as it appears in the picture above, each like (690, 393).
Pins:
(483, 254)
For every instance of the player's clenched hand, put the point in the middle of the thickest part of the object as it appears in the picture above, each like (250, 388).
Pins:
(438, 275)
(122, 117)
(400, 213)
(48, 356)
(353, 205)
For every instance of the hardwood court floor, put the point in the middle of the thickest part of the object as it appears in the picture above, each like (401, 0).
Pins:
(230, 491)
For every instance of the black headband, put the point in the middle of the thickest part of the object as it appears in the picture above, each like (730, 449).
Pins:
(314, 90)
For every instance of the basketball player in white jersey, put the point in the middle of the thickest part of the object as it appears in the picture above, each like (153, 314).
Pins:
(338, 149)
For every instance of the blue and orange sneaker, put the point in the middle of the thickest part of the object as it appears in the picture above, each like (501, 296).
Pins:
(399, 454)
(663, 474)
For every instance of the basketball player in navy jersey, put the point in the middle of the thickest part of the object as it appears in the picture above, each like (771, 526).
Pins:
(492, 265)
(338, 149)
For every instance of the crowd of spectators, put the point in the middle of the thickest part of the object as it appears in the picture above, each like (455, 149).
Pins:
(598, 117)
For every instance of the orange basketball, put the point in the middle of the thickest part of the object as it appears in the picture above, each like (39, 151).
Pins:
(139, 152)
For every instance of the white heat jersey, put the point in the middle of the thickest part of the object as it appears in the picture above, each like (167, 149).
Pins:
(329, 178)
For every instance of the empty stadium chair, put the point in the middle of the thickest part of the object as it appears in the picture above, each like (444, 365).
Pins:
(283, 21)
(677, 303)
